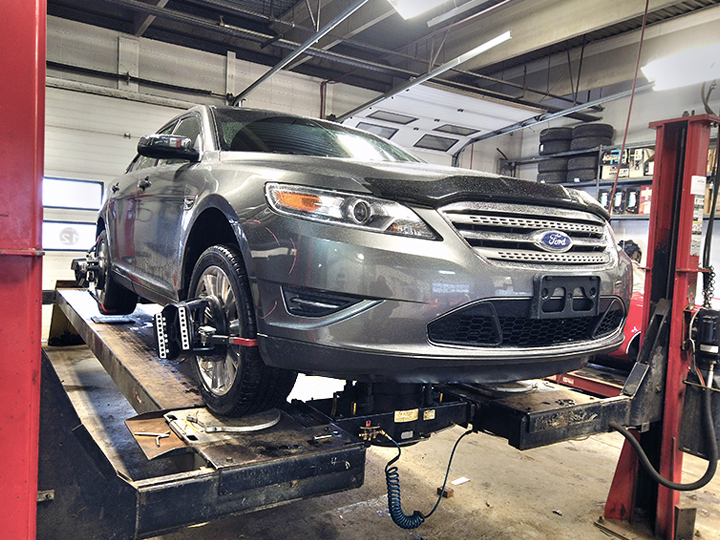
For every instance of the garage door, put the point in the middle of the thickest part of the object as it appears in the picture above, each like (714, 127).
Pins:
(89, 140)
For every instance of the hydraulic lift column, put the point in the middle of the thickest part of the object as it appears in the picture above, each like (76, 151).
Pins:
(22, 114)
(674, 247)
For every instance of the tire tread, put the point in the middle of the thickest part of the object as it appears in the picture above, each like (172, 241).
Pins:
(262, 387)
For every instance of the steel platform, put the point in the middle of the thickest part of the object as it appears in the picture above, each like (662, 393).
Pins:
(95, 480)
(100, 484)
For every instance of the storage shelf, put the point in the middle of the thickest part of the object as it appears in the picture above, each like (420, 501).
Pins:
(624, 181)
(601, 183)
(645, 216)
(629, 217)
(569, 153)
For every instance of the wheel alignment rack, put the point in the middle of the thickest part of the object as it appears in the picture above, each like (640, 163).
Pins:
(312, 451)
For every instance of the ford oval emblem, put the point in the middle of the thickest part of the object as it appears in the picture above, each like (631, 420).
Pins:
(556, 241)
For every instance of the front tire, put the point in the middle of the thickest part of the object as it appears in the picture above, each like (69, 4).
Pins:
(112, 299)
(236, 381)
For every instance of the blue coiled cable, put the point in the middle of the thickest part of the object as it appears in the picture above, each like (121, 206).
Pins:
(392, 477)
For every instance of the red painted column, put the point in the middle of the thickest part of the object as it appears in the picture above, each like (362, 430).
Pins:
(685, 280)
(672, 261)
(22, 116)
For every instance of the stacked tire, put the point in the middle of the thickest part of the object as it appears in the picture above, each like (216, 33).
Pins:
(587, 137)
(554, 141)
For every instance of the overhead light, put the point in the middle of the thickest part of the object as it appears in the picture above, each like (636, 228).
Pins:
(685, 68)
(412, 8)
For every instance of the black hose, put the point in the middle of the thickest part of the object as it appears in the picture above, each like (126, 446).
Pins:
(392, 477)
(712, 439)
(709, 271)
(401, 519)
(706, 96)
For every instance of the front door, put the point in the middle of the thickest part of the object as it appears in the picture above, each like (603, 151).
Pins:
(160, 208)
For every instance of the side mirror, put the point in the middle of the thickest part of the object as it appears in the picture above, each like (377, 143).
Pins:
(168, 147)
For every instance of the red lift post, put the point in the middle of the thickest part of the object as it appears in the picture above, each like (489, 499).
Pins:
(674, 245)
(22, 118)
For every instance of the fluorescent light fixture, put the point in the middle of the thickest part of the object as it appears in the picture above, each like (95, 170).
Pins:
(685, 68)
(411, 8)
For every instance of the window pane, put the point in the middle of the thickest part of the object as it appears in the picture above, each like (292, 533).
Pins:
(67, 236)
(382, 131)
(76, 194)
(434, 142)
(392, 117)
(188, 127)
(456, 130)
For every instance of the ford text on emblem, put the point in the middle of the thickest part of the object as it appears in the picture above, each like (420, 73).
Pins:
(552, 241)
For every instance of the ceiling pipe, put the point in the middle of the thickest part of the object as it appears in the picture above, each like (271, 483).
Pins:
(432, 74)
(545, 118)
(227, 5)
(301, 49)
(260, 37)
(256, 37)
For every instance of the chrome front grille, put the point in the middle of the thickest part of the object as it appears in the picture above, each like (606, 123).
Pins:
(507, 233)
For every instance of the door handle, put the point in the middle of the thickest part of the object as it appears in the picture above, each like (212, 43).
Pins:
(144, 183)
(115, 187)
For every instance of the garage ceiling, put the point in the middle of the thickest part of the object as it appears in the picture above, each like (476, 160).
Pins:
(377, 49)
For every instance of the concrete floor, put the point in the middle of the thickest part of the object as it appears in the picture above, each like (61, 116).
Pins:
(556, 492)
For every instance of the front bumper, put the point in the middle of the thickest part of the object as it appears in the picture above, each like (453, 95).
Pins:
(349, 364)
(406, 284)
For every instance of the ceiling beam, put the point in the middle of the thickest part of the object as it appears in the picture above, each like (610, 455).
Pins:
(142, 22)
(302, 48)
(253, 40)
(365, 18)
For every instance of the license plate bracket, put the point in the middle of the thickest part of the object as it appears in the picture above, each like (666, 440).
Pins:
(558, 297)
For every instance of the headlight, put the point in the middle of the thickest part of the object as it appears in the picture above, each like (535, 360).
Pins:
(348, 209)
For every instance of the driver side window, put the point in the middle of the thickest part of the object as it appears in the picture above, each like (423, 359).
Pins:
(143, 162)
(188, 127)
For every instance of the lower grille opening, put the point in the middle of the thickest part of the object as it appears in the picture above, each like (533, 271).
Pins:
(507, 323)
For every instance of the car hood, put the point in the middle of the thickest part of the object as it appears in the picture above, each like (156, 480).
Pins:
(421, 183)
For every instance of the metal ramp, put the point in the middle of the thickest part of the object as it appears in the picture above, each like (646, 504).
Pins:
(95, 481)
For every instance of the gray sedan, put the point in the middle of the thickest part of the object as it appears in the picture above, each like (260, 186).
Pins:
(327, 250)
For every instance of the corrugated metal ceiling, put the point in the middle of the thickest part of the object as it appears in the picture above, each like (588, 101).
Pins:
(375, 49)
(654, 17)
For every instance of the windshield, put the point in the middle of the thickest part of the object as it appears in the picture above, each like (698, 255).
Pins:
(262, 131)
